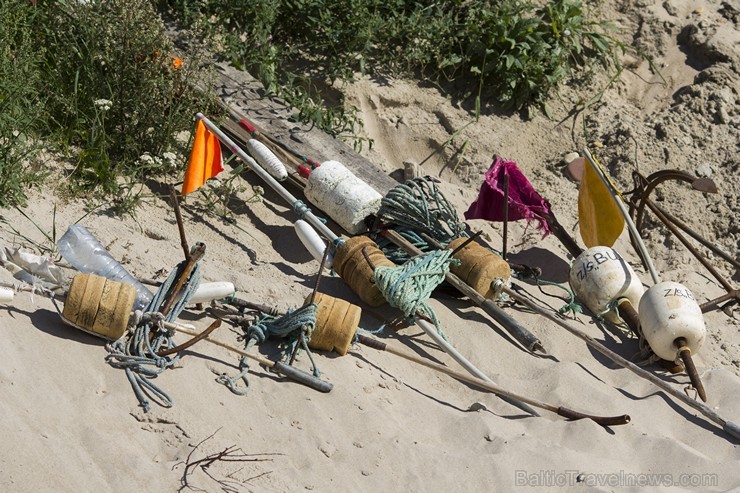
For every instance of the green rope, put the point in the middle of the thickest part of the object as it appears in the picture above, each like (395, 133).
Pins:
(409, 286)
(396, 254)
(297, 326)
(136, 351)
(420, 206)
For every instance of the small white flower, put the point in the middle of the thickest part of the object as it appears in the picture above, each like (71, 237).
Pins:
(566, 32)
(170, 158)
(103, 104)
(146, 159)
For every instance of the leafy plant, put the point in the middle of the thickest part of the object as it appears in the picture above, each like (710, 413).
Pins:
(20, 59)
(519, 50)
(117, 89)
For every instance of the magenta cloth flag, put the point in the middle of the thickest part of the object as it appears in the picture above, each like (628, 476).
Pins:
(524, 201)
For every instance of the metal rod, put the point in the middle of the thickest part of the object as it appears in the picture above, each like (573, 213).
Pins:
(464, 243)
(685, 353)
(520, 333)
(198, 251)
(181, 347)
(673, 229)
(308, 216)
(627, 218)
(506, 214)
(734, 295)
(717, 251)
(731, 428)
(486, 385)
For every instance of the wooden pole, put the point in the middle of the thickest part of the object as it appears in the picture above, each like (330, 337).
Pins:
(489, 386)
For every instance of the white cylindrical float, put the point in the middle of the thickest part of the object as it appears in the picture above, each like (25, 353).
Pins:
(313, 242)
(668, 311)
(209, 291)
(6, 295)
(343, 196)
(267, 159)
(600, 276)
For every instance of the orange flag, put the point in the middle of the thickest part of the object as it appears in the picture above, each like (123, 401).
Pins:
(205, 159)
(600, 220)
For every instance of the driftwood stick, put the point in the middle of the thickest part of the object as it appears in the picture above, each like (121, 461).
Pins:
(491, 387)
(180, 226)
(295, 374)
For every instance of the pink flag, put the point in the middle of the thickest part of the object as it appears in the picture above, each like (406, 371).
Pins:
(524, 201)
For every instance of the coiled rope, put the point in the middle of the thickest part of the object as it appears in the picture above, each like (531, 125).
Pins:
(408, 287)
(296, 326)
(136, 352)
(420, 206)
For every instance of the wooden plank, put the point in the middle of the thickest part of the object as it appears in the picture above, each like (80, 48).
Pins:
(272, 116)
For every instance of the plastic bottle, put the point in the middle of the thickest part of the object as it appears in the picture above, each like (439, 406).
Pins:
(84, 252)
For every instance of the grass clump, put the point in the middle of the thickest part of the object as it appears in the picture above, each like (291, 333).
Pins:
(519, 51)
(118, 92)
(20, 103)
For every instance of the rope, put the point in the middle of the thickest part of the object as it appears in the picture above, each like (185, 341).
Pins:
(571, 306)
(409, 286)
(297, 326)
(136, 352)
(419, 205)
(302, 209)
(396, 254)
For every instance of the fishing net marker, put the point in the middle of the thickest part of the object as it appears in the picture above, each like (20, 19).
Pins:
(324, 230)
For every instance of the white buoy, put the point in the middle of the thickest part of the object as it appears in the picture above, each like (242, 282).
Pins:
(209, 291)
(6, 295)
(313, 242)
(267, 159)
(669, 311)
(600, 276)
(343, 196)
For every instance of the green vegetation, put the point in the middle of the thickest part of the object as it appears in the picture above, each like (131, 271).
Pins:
(20, 63)
(518, 51)
(117, 89)
(100, 82)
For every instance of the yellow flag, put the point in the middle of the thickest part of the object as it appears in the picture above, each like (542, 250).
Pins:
(205, 159)
(601, 221)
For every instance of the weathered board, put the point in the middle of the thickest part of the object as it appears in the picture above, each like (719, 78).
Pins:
(271, 115)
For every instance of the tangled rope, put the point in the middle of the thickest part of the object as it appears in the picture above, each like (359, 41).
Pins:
(419, 205)
(409, 286)
(136, 352)
(296, 326)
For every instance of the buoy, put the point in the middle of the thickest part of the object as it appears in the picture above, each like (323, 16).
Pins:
(351, 265)
(600, 277)
(673, 325)
(336, 324)
(6, 295)
(99, 306)
(344, 197)
(209, 291)
(313, 242)
(479, 266)
(267, 159)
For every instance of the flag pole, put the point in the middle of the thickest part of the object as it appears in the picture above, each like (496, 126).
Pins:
(630, 224)
(329, 234)
(304, 211)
